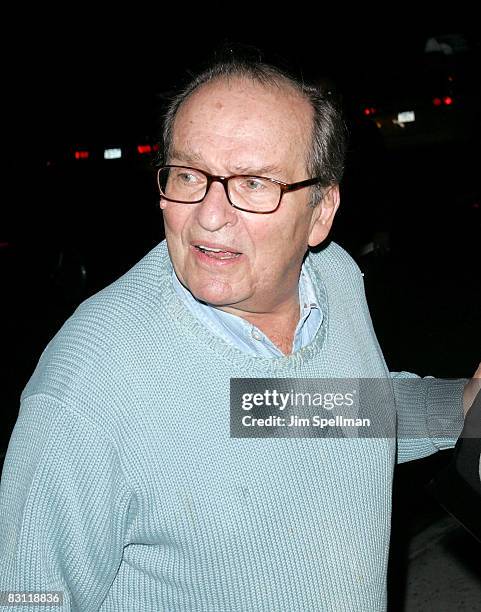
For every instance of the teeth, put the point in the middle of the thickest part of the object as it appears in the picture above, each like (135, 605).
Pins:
(204, 248)
(228, 254)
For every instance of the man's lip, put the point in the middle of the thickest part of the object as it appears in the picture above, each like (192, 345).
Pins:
(214, 245)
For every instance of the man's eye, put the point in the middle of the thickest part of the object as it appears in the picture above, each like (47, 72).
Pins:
(253, 184)
(186, 178)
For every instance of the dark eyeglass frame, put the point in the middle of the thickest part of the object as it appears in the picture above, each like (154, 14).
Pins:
(224, 180)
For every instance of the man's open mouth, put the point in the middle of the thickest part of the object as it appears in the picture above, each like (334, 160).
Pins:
(217, 253)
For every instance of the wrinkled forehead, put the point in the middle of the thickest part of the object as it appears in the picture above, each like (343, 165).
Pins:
(238, 111)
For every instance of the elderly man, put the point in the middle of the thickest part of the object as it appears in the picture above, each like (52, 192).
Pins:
(123, 489)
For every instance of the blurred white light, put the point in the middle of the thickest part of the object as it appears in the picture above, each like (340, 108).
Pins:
(406, 117)
(112, 153)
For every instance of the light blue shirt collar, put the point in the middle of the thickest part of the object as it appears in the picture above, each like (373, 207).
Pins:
(247, 337)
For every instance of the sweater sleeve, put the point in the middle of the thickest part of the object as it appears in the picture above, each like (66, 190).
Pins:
(64, 508)
(429, 414)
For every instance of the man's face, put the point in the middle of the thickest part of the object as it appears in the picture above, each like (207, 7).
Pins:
(239, 127)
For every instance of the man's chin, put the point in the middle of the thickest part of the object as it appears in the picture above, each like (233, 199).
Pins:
(213, 301)
(216, 296)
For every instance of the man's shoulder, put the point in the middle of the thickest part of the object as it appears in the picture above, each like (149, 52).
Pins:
(105, 329)
(128, 302)
(334, 263)
(143, 282)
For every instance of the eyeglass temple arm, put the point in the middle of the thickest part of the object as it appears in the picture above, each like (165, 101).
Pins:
(301, 184)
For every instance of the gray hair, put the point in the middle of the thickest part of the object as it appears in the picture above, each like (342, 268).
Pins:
(326, 155)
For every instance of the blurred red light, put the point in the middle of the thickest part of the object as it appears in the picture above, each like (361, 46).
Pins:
(437, 101)
(142, 149)
(367, 111)
(81, 154)
(447, 100)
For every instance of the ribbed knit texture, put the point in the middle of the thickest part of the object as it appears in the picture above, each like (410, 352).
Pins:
(123, 489)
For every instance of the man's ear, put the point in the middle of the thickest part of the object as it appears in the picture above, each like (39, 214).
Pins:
(323, 216)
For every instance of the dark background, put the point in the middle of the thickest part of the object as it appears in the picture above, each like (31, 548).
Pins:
(69, 227)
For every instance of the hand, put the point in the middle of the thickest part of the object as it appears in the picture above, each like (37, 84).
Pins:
(471, 389)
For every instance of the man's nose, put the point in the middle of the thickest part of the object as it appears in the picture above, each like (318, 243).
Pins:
(215, 210)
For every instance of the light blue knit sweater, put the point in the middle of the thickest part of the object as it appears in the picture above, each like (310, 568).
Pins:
(123, 489)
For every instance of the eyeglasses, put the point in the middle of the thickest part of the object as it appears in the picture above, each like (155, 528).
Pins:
(256, 194)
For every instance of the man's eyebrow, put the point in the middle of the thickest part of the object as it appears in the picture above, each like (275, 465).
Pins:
(190, 157)
(259, 170)
(186, 157)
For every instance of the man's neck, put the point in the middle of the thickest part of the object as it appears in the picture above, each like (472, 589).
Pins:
(279, 327)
